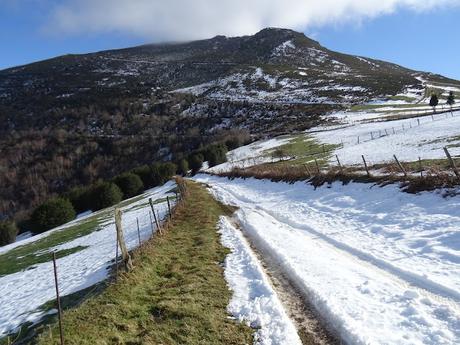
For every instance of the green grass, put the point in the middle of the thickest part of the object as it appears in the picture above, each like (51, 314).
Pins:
(403, 98)
(305, 149)
(176, 294)
(26, 256)
(155, 202)
(28, 331)
(453, 141)
(377, 107)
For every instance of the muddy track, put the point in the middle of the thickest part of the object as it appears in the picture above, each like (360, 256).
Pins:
(311, 328)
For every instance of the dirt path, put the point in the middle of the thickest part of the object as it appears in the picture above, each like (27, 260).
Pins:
(311, 328)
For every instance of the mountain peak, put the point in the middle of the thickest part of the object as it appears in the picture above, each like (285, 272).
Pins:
(280, 34)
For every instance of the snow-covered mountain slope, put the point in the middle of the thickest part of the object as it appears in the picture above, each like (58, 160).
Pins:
(380, 265)
(274, 65)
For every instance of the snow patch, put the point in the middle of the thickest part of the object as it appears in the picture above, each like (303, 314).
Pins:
(254, 301)
(284, 49)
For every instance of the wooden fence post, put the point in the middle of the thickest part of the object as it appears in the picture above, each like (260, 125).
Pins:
(400, 166)
(169, 207)
(116, 258)
(420, 166)
(121, 240)
(138, 231)
(58, 299)
(452, 162)
(157, 222)
(151, 222)
(365, 166)
(338, 162)
(317, 166)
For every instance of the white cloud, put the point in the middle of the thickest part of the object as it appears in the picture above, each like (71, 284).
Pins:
(191, 19)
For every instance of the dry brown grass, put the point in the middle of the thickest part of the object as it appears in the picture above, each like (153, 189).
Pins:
(433, 177)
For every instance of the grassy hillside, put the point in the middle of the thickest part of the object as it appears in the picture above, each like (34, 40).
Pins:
(175, 295)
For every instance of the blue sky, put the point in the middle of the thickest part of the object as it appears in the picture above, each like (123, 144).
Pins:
(32, 30)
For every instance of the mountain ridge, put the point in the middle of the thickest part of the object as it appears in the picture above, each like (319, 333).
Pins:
(73, 119)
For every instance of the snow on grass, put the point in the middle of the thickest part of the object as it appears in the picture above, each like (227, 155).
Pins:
(249, 155)
(254, 301)
(25, 292)
(405, 138)
(382, 266)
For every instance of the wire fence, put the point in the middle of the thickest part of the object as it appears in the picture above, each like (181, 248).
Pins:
(157, 224)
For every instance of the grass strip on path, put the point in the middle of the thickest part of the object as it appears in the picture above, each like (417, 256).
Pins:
(176, 293)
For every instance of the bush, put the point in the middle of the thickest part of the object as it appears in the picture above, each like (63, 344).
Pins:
(196, 162)
(182, 167)
(145, 173)
(51, 214)
(215, 154)
(156, 174)
(162, 172)
(105, 194)
(157, 178)
(168, 170)
(80, 197)
(129, 183)
(8, 232)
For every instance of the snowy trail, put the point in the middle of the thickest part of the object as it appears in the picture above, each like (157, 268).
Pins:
(254, 301)
(25, 292)
(382, 266)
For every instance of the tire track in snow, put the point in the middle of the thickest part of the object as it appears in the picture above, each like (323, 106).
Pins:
(439, 291)
(411, 292)
(428, 314)
(404, 279)
(311, 327)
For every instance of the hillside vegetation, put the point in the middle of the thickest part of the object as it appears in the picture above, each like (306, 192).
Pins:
(74, 119)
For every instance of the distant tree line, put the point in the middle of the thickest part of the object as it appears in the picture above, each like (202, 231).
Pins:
(105, 193)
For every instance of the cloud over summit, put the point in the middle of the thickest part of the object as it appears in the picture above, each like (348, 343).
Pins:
(191, 19)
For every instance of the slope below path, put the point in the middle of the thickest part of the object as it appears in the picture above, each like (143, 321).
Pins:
(382, 266)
